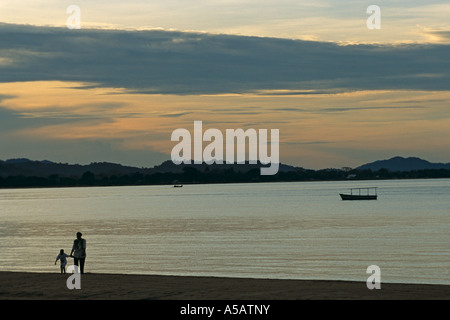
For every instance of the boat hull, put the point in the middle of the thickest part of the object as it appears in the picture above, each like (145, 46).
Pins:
(357, 197)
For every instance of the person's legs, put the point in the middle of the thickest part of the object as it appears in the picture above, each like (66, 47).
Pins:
(79, 262)
(82, 265)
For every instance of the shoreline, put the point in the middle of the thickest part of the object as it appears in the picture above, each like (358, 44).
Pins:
(214, 183)
(52, 286)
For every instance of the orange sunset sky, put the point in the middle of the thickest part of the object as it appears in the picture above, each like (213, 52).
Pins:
(114, 90)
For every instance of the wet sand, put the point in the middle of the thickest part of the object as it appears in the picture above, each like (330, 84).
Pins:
(52, 286)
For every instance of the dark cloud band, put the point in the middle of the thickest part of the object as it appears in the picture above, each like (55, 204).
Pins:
(194, 63)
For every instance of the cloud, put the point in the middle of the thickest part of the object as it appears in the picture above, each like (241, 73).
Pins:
(199, 63)
(13, 121)
(5, 97)
(307, 142)
(174, 115)
(438, 36)
(351, 109)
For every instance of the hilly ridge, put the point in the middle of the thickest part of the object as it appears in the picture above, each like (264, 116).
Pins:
(404, 164)
(44, 168)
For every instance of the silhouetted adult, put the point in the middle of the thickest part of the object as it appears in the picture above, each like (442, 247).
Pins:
(79, 251)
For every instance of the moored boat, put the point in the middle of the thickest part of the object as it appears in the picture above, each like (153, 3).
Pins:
(356, 194)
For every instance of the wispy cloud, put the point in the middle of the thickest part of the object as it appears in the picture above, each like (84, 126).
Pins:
(174, 115)
(323, 20)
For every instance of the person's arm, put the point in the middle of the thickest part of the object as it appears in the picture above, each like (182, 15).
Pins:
(57, 257)
(73, 249)
(84, 248)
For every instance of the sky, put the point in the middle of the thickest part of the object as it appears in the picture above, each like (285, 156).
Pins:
(340, 94)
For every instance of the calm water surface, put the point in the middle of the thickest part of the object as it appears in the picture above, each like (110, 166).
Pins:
(272, 230)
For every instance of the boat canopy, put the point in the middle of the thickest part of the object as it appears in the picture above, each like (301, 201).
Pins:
(368, 189)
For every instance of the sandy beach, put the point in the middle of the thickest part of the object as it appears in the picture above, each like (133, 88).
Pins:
(52, 286)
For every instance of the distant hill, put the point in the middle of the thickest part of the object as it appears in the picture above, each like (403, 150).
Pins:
(403, 164)
(32, 168)
(27, 168)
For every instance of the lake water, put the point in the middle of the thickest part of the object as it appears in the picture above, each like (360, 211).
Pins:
(272, 230)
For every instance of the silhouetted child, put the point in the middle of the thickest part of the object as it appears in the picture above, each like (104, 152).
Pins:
(63, 257)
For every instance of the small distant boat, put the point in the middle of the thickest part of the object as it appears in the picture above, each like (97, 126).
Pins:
(177, 185)
(356, 194)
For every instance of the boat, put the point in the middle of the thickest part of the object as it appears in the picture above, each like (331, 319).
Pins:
(177, 185)
(356, 194)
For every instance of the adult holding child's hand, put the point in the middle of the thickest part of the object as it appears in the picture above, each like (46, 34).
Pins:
(79, 251)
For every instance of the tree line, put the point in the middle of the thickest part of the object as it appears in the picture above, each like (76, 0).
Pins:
(191, 175)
